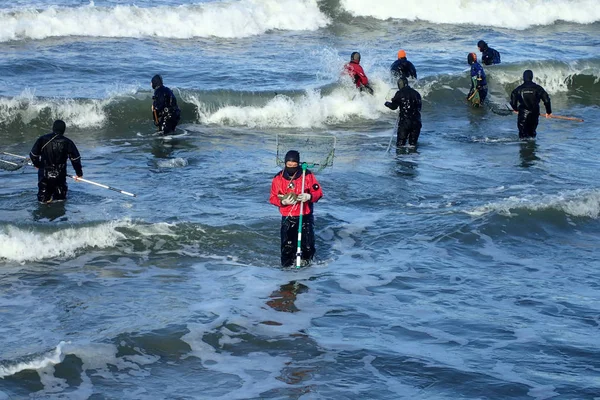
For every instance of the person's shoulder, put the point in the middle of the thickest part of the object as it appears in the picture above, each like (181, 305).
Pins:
(278, 174)
(46, 136)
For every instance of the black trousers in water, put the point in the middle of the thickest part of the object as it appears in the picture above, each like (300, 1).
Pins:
(527, 123)
(289, 239)
(51, 189)
(408, 130)
(168, 123)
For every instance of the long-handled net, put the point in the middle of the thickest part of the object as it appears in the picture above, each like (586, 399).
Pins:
(12, 162)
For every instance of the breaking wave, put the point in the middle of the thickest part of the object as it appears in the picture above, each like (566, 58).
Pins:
(332, 104)
(498, 13)
(226, 19)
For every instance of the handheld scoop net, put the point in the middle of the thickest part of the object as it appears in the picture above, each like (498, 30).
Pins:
(318, 151)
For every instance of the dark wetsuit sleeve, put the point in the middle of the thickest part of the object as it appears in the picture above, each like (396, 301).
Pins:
(413, 70)
(36, 152)
(396, 101)
(487, 57)
(75, 158)
(546, 99)
(514, 99)
(160, 99)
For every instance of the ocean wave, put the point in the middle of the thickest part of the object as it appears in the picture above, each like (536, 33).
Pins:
(27, 109)
(554, 76)
(499, 13)
(93, 356)
(226, 19)
(33, 362)
(312, 109)
(23, 245)
(333, 104)
(578, 203)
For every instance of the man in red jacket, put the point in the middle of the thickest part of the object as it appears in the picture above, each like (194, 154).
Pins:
(287, 194)
(357, 73)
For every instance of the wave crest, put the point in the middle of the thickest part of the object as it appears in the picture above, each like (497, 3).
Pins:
(579, 203)
(22, 245)
(226, 19)
(498, 13)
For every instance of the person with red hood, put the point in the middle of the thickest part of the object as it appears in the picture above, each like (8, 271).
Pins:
(356, 72)
(287, 194)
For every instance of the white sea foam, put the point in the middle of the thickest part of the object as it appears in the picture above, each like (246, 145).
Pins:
(22, 245)
(307, 111)
(176, 162)
(555, 77)
(579, 203)
(51, 358)
(517, 14)
(76, 113)
(229, 19)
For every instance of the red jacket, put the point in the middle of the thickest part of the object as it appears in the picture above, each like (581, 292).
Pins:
(281, 185)
(357, 73)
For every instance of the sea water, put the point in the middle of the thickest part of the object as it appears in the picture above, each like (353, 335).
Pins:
(465, 268)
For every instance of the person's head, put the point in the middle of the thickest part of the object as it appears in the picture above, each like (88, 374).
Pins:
(292, 158)
(292, 161)
(157, 81)
(471, 58)
(528, 76)
(402, 82)
(355, 56)
(401, 54)
(59, 127)
(482, 45)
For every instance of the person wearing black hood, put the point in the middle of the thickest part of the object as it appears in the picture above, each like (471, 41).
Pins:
(525, 100)
(408, 101)
(287, 194)
(165, 111)
(49, 154)
(489, 56)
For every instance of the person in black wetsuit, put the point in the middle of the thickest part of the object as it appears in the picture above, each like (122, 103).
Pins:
(49, 154)
(489, 56)
(165, 112)
(526, 100)
(402, 67)
(408, 101)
